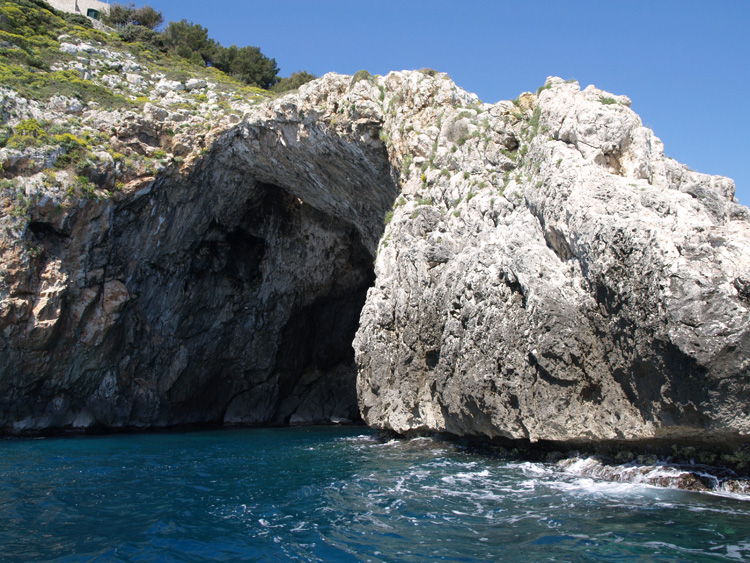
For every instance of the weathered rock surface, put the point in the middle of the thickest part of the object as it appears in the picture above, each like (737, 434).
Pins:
(692, 478)
(229, 291)
(545, 273)
(595, 293)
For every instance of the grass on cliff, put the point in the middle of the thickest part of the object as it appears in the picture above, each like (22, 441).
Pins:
(29, 50)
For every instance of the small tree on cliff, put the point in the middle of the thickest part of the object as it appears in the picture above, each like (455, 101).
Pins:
(294, 81)
(190, 41)
(248, 64)
(122, 15)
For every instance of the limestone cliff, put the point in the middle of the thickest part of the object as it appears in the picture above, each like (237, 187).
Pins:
(551, 275)
(541, 269)
(226, 291)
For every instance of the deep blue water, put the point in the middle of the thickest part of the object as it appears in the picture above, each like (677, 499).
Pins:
(335, 494)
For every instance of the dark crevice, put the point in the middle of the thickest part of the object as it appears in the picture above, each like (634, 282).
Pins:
(44, 237)
(545, 375)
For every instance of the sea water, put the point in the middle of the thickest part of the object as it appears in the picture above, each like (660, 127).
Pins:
(335, 494)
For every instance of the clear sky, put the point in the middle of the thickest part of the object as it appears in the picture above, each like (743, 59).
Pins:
(685, 64)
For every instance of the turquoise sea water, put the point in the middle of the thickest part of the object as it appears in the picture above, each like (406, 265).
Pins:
(335, 494)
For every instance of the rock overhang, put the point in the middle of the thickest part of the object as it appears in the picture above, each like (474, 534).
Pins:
(239, 283)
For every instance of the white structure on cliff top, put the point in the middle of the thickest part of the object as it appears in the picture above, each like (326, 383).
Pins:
(91, 8)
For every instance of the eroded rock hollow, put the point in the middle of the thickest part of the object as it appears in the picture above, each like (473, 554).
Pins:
(230, 294)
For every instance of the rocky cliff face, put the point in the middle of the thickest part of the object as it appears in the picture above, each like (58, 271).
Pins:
(551, 275)
(541, 271)
(227, 290)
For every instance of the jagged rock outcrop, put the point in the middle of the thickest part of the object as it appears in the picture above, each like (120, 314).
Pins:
(544, 273)
(594, 293)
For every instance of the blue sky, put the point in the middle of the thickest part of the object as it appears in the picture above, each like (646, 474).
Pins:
(685, 65)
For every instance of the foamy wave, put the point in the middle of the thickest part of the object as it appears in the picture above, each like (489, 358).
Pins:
(660, 475)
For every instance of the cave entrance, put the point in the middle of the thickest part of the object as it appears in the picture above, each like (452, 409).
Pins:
(308, 285)
(227, 291)
(275, 284)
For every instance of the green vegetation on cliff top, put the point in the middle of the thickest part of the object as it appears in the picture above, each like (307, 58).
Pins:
(103, 70)
(30, 52)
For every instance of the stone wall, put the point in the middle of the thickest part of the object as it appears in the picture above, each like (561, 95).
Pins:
(79, 6)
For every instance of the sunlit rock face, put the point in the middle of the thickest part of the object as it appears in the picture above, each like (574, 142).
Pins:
(534, 269)
(550, 275)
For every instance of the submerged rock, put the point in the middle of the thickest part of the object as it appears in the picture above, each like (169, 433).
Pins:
(541, 272)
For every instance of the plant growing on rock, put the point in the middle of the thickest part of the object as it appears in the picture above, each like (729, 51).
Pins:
(28, 133)
(543, 88)
(128, 14)
(76, 149)
(360, 75)
(293, 81)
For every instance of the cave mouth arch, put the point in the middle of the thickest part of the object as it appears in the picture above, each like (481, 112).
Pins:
(249, 297)
(225, 291)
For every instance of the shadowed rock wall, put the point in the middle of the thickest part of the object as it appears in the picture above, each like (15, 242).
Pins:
(227, 294)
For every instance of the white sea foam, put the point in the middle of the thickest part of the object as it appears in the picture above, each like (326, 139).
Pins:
(301, 526)
(661, 476)
(739, 551)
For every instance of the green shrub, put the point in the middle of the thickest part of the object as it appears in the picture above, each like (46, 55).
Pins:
(534, 121)
(607, 101)
(294, 81)
(78, 19)
(28, 133)
(5, 134)
(360, 75)
(76, 150)
(140, 34)
(406, 162)
(86, 186)
(123, 15)
(7, 185)
(543, 88)
(246, 63)
(33, 21)
(190, 41)
(41, 85)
